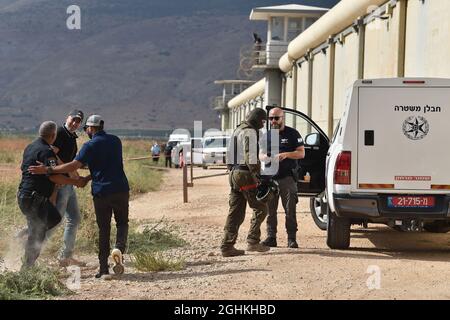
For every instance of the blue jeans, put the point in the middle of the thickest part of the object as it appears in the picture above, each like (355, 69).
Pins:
(67, 205)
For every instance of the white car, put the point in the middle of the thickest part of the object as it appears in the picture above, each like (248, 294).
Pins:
(214, 150)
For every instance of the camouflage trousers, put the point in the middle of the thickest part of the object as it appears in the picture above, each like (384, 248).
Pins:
(238, 200)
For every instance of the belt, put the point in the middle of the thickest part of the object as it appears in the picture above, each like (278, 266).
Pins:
(241, 167)
(248, 187)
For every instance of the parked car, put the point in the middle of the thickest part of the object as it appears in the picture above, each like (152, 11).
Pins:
(215, 150)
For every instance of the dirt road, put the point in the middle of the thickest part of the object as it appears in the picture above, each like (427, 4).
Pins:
(409, 265)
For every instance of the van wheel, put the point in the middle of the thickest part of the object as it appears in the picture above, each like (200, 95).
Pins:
(318, 211)
(338, 231)
(205, 168)
(437, 227)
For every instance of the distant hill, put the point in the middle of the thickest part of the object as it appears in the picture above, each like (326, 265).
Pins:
(142, 64)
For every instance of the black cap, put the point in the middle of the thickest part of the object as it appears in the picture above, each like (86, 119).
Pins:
(77, 114)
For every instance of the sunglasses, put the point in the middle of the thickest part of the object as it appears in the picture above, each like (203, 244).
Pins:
(275, 118)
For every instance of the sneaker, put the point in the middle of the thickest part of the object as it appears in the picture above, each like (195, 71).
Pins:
(232, 252)
(292, 243)
(257, 247)
(117, 257)
(270, 242)
(71, 262)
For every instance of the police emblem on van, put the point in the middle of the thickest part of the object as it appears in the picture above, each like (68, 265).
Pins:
(416, 128)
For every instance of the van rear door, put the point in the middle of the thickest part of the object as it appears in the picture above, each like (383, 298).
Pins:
(403, 137)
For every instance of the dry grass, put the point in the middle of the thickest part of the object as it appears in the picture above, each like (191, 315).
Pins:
(156, 261)
(13, 144)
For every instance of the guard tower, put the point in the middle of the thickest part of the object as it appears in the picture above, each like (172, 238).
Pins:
(230, 89)
(285, 23)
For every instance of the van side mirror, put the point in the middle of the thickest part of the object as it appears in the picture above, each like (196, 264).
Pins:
(313, 139)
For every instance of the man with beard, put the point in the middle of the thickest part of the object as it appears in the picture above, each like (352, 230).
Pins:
(290, 150)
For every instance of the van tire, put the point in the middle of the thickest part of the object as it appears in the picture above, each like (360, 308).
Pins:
(338, 231)
(437, 227)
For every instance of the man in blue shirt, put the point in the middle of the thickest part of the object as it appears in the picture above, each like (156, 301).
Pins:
(110, 189)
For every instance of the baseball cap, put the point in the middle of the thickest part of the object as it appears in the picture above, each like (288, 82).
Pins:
(77, 114)
(94, 121)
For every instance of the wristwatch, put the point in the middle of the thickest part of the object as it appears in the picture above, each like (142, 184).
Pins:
(49, 170)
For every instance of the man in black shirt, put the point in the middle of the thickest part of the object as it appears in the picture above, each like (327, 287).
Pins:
(290, 148)
(168, 155)
(35, 191)
(66, 199)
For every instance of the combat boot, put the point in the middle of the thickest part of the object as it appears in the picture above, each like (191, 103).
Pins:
(257, 247)
(232, 252)
(270, 242)
(292, 243)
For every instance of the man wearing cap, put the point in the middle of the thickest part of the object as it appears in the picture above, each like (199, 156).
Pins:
(66, 198)
(110, 189)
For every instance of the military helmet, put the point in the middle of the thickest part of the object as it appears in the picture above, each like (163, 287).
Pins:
(267, 191)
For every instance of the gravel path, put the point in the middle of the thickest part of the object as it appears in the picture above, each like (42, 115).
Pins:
(410, 265)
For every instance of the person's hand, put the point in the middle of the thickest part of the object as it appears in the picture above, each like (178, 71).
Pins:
(264, 158)
(81, 182)
(55, 149)
(280, 157)
(39, 169)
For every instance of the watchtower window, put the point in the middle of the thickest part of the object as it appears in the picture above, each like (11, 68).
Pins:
(277, 28)
(309, 22)
(295, 27)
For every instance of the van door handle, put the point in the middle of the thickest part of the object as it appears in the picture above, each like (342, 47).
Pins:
(369, 138)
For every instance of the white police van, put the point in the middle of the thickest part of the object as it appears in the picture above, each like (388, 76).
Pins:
(387, 161)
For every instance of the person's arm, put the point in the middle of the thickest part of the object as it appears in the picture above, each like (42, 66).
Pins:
(251, 158)
(61, 179)
(263, 147)
(298, 154)
(63, 168)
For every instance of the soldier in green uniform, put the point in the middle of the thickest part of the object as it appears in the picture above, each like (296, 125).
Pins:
(244, 178)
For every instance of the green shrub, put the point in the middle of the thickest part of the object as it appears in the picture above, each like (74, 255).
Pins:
(33, 283)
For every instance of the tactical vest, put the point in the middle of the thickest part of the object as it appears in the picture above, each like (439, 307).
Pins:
(233, 146)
